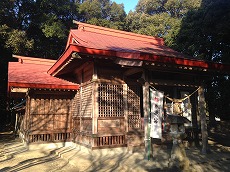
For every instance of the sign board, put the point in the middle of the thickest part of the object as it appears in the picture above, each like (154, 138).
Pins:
(156, 113)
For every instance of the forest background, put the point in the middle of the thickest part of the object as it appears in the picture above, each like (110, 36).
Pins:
(198, 28)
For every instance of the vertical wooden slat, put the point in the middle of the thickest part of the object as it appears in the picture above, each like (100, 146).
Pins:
(81, 108)
(125, 89)
(95, 108)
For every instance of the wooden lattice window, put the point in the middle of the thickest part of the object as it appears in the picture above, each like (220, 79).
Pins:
(134, 107)
(110, 100)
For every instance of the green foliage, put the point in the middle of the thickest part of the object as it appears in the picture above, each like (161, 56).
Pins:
(15, 40)
(175, 8)
(212, 40)
(53, 27)
(40, 28)
(204, 34)
(116, 12)
(90, 9)
(18, 42)
(103, 13)
(161, 25)
(160, 18)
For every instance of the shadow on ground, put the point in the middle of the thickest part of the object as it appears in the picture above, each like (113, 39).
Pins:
(15, 157)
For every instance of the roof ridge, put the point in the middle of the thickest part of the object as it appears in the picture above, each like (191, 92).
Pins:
(119, 33)
(34, 60)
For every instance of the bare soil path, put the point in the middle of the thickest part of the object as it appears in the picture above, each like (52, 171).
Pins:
(15, 157)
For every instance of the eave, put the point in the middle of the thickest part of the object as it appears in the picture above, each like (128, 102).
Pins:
(42, 86)
(67, 55)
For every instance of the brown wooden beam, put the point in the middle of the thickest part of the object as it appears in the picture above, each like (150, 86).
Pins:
(174, 83)
(132, 71)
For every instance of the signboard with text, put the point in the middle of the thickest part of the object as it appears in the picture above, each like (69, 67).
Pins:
(156, 112)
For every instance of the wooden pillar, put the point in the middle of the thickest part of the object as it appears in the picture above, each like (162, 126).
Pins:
(146, 120)
(125, 89)
(195, 137)
(32, 105)
(202, 112)
(81, 112)
(95, 106)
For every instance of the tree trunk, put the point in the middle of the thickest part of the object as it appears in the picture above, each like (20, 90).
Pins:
(202, 112)
(146, 120)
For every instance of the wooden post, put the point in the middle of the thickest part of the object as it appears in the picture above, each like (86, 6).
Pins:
(202, 112)
(95, 106)
(126, 125)
(28, 119)
(81, 128)
(146, 120)
(195, 112)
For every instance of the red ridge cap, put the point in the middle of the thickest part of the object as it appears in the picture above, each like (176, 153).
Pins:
(33, 60)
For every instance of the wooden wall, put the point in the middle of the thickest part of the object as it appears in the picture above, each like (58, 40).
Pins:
(48, 116)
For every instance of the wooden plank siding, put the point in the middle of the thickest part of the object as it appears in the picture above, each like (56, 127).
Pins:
(48, 116)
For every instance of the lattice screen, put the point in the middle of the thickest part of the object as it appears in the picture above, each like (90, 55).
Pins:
(76, 105)
(110, 100)
(82, 103)
(134, 107)
(86, 100)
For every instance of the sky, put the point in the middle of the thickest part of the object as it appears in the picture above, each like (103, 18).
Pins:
(128, 4)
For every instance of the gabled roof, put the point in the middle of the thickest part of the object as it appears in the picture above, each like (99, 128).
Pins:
(95, 40)
(31, 72)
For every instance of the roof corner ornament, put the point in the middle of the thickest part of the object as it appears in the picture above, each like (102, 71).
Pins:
(80, 26)
(75, 55)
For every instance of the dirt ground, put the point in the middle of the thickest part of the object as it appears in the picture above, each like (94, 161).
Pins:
(14, 157)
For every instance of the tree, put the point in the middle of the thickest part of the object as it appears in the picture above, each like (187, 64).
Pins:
(5, 57)
(160, 18)
(39, 27)
(210, 42)
(175, 8)
(103, 13)
(49, 25)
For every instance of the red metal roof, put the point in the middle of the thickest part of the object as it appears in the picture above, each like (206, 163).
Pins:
(95, 40)
(95, 37)
(31, 72)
